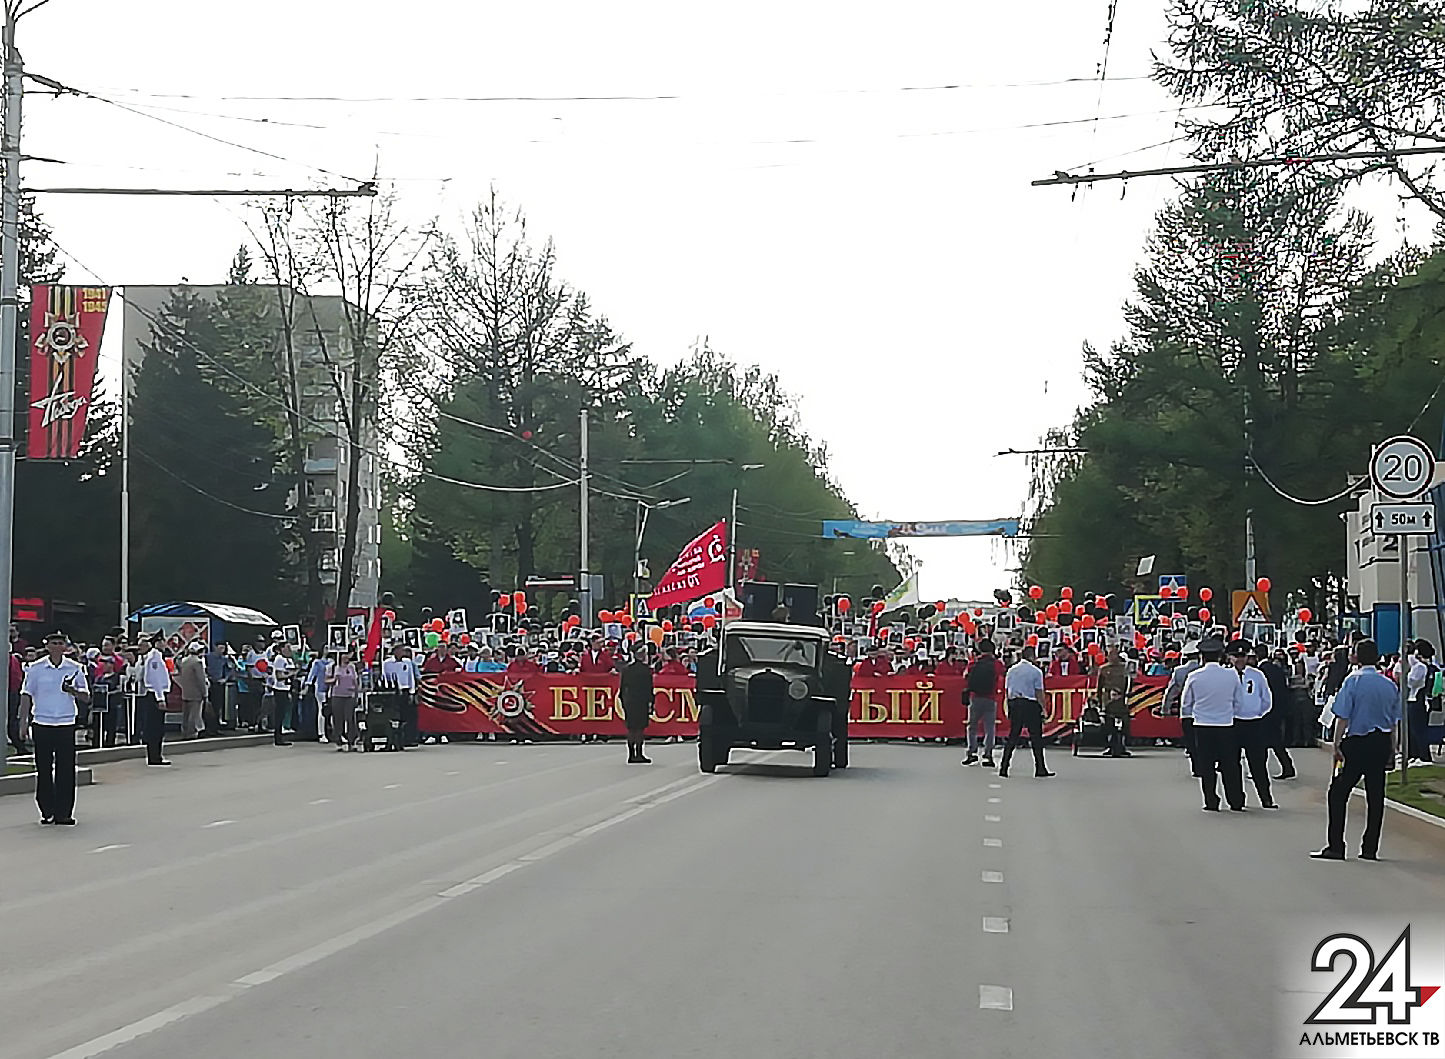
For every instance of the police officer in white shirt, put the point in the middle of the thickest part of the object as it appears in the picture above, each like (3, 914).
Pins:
(280, 678)
(1024, 695)
(1214, 696)
(155, 686)
(1253, 726)
(52, 687)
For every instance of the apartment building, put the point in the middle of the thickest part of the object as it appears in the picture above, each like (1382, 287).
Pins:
(323, 347)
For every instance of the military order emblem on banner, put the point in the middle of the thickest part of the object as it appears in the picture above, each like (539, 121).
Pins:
(701, 568)
(65, 328)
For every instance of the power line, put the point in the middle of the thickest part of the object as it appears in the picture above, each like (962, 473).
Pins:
(328, 429)
(656, 98)
(1250, 163)
(64, 88)
(210, 496)
(1352, 487)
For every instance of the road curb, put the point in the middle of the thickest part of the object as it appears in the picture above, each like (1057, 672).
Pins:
(104, 755)
(1407, 810)
(24, 783)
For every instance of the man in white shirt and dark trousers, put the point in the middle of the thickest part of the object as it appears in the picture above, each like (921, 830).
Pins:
(52, 687)
(399, 673)
(280, 674)
(155, 686)
(1254, 726)
(1024, 696)
(1214, 696)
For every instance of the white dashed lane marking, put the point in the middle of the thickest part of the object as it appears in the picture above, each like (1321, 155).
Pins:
(114, 845)
(994, 801)
(995, 786)
(995, 998)
(991, 818)
(995, 925)
(321, 801)
(993, 843)
(992, 876)
(220, 823)
(391, 786)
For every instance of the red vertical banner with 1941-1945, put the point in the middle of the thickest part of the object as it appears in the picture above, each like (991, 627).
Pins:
(65, 328)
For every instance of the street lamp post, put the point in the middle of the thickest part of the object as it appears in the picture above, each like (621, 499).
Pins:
(643, 510)
(733, 526)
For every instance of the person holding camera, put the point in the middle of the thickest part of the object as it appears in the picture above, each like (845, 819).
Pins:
(53, 685)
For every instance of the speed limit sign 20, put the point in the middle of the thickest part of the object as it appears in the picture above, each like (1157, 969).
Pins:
(1402, 467)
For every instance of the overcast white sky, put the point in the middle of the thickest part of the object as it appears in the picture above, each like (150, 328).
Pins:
(881, 250)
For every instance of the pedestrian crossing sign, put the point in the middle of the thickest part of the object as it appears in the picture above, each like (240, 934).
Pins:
(1146, 611)
(1250, 606)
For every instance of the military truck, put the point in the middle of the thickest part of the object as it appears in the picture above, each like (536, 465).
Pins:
(778, 687)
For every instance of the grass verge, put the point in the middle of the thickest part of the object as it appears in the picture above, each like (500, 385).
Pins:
(1425, 790)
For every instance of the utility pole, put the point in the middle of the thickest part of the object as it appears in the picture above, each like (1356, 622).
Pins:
(584, 597)
(9, 313)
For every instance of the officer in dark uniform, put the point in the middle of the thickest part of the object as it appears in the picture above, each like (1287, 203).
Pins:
(637, 694)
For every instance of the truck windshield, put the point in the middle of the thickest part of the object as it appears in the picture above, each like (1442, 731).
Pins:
(743, 650)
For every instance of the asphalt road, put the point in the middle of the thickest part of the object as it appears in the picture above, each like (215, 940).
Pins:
(550, 900)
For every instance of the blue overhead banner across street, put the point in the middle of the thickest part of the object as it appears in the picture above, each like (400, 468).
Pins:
(854, 530)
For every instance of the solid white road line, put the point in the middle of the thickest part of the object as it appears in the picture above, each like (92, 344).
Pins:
(992, 876)
(369, 930)
(991, 818)
(321, 801)
(993, 843)
(995, 925)
(454, 772)
(995, 998)
(220, 823)
(994, 801)
(114, 845)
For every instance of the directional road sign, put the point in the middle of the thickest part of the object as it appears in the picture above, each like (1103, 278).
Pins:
(1402, 467)
(1394, 520)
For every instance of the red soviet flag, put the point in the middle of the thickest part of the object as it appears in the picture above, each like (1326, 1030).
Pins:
(701, 568)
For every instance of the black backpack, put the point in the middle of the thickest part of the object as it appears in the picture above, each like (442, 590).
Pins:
(983, 676)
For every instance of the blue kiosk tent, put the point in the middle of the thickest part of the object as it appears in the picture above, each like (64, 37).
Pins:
(210, 622)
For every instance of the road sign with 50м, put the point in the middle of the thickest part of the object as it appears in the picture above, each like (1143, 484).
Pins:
(1394, 520)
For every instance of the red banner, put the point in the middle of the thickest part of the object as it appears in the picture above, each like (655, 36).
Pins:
(893, 707)
(701, 568)
(65, 328)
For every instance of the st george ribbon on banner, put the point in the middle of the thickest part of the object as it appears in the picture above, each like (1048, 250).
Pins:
(701, 568)
(65, 328)
(853, 529)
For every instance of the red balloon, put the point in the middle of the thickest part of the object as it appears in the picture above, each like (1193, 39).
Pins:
(521, 606)
(1052, 610)
(1206, 594)
(262, 665)
(1141, 641)
(709, 602)
(939, 606)
(877, 606)
(464, 639)
(883, 633)
(978, 612)
(909, 645)
(604, 616)
(1204, 614)
(844, 604)
(1033, 641)
(1166, 591)
(521, 630)
(437, 625)
(667, 626)
(626, 619)
(1100, 602)
(1087, 621)
(1039, 619)
(519, 597)
(632, 636)
(1066, 607)
(446, 636)
(1066, 592)
(1035, 592)
(710, 620)
(1305, 614)
(1183, 591)
(1262, 585)
(504, 601)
